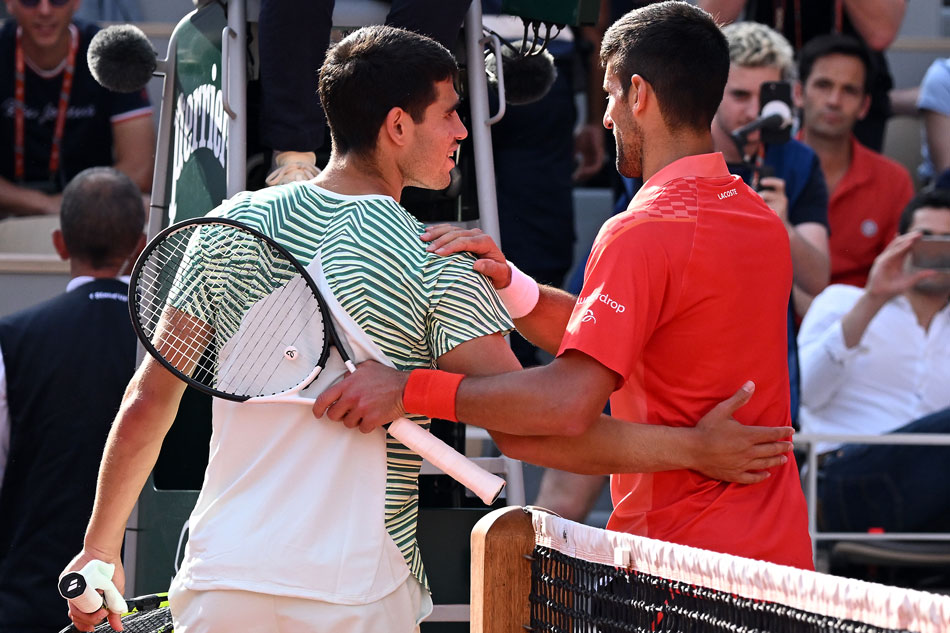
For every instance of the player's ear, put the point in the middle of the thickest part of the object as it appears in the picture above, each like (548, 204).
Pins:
(397, 126)
(797, 94)
(638, 94)
(60, 244)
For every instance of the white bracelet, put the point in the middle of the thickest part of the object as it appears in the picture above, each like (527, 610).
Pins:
(521, 295)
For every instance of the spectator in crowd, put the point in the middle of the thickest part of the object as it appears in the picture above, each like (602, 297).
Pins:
(55, 120)
(655, 327)
(294, 37)
(933, 103)
(63, 367)
(873, 22)
(348, 557)
(868, 190)
(874, 361)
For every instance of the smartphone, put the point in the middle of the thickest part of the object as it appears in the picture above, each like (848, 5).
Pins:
(776, 91)
(932, 251)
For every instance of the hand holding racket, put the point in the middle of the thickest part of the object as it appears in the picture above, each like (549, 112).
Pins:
(232, 313)
(80, 588)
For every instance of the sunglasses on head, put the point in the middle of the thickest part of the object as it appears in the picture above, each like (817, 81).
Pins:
(32, 4)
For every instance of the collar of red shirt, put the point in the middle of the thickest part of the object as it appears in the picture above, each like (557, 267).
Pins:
(697, 166)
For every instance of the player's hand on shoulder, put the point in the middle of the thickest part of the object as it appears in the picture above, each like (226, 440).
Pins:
(366, 399)
(731, 451)
(445, 239)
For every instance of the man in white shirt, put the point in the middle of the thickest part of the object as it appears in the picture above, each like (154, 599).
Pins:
(875, 361)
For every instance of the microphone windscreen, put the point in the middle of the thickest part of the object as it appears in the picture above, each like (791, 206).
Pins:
(527, 79)
(121, 58)
(780, 109)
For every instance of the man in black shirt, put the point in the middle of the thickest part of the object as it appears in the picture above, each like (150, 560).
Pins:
(55, 120)
(64, 365)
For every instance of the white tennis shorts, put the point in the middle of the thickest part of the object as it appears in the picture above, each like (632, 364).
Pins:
(219, 611)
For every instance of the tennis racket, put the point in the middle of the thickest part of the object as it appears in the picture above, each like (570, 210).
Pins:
(233, 313)
(147, 614)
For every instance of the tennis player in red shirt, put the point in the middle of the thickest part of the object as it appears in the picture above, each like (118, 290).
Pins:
(684, 299)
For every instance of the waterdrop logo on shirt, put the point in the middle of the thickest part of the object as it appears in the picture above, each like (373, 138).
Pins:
(604, 298)
(617, 307)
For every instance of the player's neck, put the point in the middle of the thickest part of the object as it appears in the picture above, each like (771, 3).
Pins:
(659, 154)
(352, 175)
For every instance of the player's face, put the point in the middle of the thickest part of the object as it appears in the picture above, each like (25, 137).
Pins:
(628, 135)
(44, 25)
(436, 140)
(833, 96)
(740, 102)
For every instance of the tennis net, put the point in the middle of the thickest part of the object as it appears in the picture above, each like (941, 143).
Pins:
(534, 571)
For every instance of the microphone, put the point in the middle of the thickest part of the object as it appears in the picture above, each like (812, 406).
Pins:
(776, 115)
(527, 77)
(121, 58)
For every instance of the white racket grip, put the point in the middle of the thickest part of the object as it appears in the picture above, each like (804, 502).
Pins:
(79, 588)
(486, 486)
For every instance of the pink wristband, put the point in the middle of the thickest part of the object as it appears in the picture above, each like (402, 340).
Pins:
(431, 392)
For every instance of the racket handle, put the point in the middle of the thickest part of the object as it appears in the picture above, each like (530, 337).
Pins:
(487, 486)
(79, 588)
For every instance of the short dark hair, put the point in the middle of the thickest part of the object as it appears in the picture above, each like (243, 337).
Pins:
(102, 216)
(834, 44)
(372, 71)
(936, 198)
(680, 51)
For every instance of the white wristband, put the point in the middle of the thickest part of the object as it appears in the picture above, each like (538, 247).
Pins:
(521, 295)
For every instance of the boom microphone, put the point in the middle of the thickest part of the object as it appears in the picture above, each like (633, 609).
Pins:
(121, 58)
(527, 77)
(775, 116)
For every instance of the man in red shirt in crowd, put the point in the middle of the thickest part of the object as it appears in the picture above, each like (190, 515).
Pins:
(868, 191)
(685, 297)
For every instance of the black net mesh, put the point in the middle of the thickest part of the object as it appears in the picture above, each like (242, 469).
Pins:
(569, 595)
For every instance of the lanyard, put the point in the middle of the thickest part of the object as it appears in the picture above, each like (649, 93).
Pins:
(19, 134)
(780, 10)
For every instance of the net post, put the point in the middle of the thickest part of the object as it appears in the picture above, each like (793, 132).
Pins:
(501, 573)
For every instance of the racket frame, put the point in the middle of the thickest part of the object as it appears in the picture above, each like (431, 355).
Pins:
(331, 336)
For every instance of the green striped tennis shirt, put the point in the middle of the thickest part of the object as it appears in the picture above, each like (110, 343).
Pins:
(414, 305)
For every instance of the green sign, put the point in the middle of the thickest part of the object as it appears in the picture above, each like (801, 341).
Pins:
(196, 176)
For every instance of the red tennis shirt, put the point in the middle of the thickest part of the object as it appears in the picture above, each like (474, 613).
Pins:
(685, 297)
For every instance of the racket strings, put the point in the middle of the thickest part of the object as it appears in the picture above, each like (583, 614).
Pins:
(229, 311)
